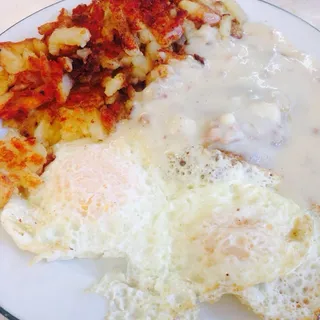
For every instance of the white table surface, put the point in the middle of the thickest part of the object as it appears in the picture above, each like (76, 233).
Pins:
(12, 11)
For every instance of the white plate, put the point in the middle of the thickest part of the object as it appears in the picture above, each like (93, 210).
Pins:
(56, 291)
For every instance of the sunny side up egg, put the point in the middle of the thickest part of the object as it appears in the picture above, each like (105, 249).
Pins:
(228, 236)
(214, 249)
(95, 199)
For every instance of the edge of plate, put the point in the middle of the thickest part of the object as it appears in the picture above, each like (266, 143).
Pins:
(4, 312)
(7, 314)
(288, 12)
(30, 15)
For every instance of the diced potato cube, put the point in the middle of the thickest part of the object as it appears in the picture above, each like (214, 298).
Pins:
(112, 85)
(236, 11)
(141, 66)
(64, 88)
(191, 7)
(225, 26)
(152, 50)
(73, 36)
(11, 62)
(160, 71)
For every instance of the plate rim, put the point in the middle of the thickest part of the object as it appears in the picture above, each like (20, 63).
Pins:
(263, 1)
(7, 314)
(33, 14)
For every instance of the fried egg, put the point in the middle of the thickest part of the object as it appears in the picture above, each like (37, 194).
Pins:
(176, 223)
(214, 249)
(94, 196)
(230, 236)
(295, 296)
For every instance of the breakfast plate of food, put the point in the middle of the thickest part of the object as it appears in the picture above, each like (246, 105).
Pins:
(159, 160)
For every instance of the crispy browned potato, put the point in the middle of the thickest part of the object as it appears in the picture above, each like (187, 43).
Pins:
(7, 188)
(21, 161)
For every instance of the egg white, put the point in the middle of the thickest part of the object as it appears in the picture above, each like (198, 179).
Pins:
(295, 296)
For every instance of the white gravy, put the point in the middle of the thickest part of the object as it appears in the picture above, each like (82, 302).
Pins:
(257, 97)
